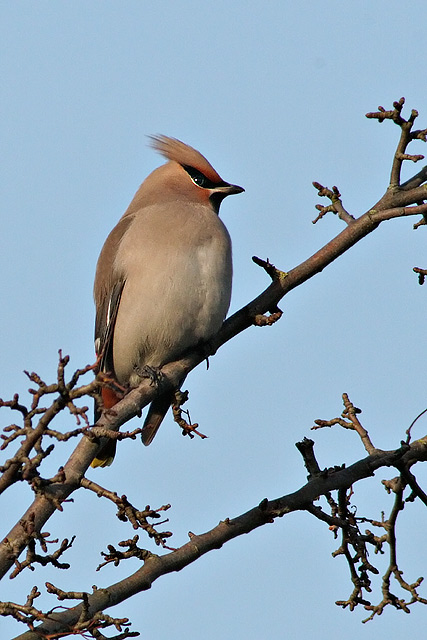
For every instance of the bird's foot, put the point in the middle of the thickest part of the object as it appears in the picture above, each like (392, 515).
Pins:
(154, 374)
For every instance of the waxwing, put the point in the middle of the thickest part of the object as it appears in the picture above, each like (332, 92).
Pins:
(163, 278)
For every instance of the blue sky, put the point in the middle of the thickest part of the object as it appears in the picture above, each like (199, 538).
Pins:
(274, 94)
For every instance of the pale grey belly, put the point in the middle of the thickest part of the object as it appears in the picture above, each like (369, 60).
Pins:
(177, 304)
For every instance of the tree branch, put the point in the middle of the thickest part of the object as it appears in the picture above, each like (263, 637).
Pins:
(268, 510)
(392, 205)
(398, 200)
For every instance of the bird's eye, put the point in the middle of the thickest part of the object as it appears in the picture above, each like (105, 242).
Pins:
(198, 178)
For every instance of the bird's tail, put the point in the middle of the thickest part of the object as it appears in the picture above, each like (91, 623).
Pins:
(106, 455)
(157, 411)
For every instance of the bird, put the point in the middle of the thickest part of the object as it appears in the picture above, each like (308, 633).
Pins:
(163, 278)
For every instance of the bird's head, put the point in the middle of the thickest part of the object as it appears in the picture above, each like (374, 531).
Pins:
(187, 174)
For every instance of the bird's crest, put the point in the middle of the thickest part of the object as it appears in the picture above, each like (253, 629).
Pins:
(178, 151)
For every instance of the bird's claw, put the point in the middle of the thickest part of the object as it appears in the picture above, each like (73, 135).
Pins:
(154, 374)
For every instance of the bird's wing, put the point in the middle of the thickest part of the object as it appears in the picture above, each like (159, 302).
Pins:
(104, 327)
(108, 289)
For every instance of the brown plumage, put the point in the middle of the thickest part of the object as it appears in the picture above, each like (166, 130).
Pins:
(174, 149)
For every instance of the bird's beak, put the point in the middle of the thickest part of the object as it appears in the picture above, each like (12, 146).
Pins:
(229, 189)
(221, 191)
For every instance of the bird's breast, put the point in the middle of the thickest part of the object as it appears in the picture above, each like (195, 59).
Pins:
(177, 268)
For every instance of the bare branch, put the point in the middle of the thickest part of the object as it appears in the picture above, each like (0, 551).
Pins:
(422, 273)
(127, 512)
(399, 200)
(353, 423)
(265, 512)
(336, 206)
